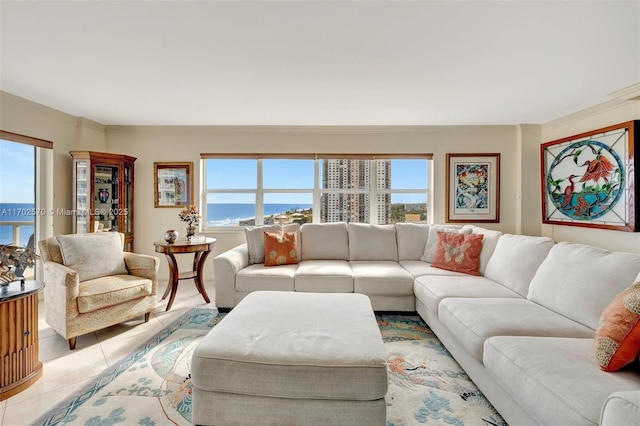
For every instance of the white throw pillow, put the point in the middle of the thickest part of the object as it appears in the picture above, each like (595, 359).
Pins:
(432, 239)
(255, 239)
(93, 255)
(489, 243)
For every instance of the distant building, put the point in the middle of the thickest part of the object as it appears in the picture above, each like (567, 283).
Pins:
(354, 174)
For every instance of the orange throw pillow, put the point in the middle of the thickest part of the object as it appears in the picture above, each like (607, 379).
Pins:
(458, 252)
(280, 249)
(618, 335)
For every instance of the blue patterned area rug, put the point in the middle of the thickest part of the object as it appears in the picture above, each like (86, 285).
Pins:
(152, 386)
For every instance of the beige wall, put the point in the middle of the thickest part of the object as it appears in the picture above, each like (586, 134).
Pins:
(519, 146)
(67, 133)
(616, 111)
(151, 144)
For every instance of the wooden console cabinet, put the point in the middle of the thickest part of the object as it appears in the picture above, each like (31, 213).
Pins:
(20, 365)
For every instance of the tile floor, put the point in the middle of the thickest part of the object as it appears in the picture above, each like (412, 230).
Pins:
(64, 371)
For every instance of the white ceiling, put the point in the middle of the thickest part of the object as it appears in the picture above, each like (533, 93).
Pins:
(318, 63)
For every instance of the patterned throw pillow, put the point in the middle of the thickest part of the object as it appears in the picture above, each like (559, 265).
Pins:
(255, 239)
(432, 239)
(458, 252)
(618, 335)
(280, 249)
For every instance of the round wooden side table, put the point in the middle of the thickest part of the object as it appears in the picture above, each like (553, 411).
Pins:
(200, 249)
(19, 332)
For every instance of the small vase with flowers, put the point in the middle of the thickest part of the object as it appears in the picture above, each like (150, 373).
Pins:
(191, 216)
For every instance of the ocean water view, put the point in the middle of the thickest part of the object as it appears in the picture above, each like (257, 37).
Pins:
(219, 214)
(16, 212)
(230, 214)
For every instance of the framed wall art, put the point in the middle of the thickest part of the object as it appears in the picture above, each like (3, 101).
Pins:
(589, 179)
(173, 184)
(473, 188)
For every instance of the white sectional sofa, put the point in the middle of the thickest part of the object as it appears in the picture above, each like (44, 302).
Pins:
(523, 329)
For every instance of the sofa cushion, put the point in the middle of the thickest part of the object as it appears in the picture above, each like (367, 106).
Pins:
(280, 249)
(579, 281)
(381, 278)
(93, 255)
(372, 242)
(557, 379)
(325, 241)
(621, 408)
(432, 239)
(473, 321)
(489, 243)
(255, 239)
(458, 252)
(102, 292)
(516, 259)
(322, 276)
(431, 289)
(260, 277)
(418, 268)
(411, 239)
(618, 335)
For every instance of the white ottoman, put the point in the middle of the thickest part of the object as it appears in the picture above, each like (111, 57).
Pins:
(290, 358)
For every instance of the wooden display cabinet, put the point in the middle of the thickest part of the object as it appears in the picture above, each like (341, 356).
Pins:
(103, 193)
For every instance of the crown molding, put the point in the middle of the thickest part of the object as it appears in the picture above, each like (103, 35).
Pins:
(628, 93)
(620, 98)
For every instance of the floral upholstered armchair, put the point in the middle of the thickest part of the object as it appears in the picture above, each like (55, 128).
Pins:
(91, 283)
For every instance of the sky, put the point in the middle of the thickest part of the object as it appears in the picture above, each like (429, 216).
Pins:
(17, 177)
(242, 174)
(16, 172)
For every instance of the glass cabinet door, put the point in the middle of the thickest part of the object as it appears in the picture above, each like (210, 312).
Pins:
(125, 205)
(82, 213)
(105, 193)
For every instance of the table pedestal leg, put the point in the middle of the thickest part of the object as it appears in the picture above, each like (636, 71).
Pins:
(198, 266)
(173, 279)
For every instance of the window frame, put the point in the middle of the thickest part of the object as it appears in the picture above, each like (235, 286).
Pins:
(43, 186)
(259, 192)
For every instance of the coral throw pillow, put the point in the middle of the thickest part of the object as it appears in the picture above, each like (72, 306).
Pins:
(280, 249)
(618, 335)
(458, 252)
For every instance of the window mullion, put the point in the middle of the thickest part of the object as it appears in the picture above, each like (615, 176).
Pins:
(259, 194)
(350, 181)
(316, 192)
(373, 197)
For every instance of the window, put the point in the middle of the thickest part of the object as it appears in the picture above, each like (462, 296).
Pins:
(21, 209)
(355, 188)
(17, 193)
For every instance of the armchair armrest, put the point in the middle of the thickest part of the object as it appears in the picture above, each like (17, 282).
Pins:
(61, 294)
(57, 274)
(142, 265)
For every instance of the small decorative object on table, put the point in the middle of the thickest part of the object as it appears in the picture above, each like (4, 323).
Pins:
(171, 235)
(13, 261)
(192, 217)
